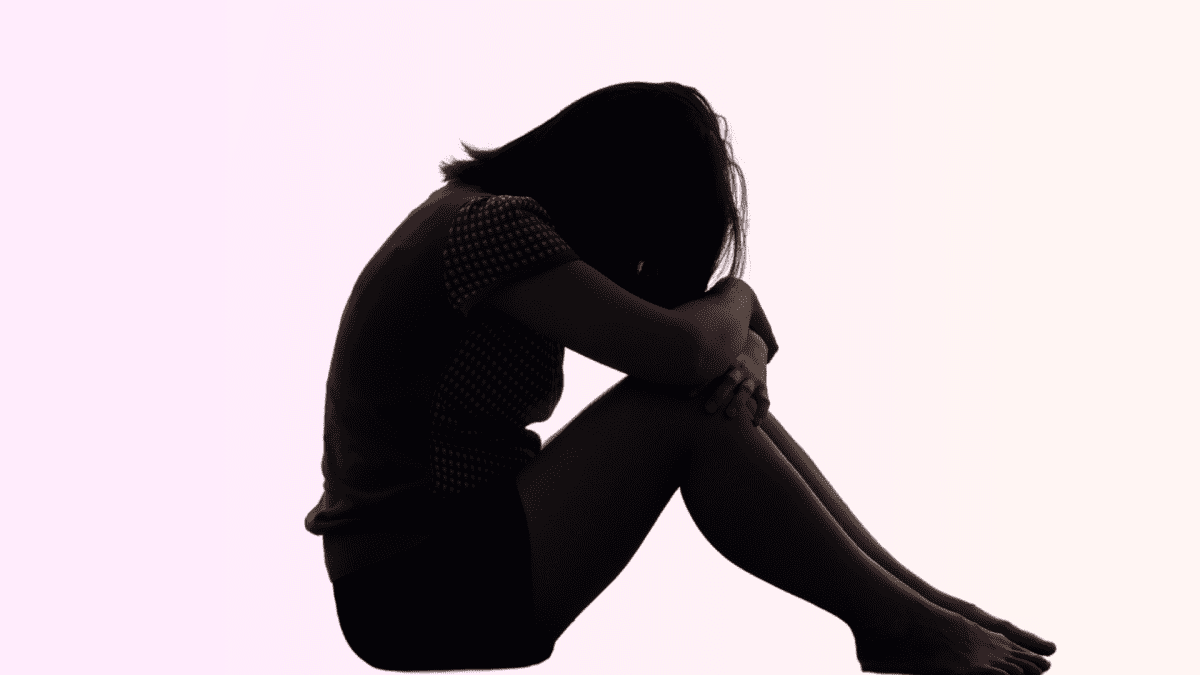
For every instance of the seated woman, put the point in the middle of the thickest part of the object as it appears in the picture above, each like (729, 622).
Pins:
(456, 540)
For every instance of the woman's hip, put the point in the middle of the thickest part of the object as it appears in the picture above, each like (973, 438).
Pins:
(462, 599)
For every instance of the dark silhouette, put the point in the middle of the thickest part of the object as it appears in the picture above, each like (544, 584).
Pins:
(455, 540)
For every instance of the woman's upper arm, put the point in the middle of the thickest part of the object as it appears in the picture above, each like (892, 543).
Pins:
(585, 311)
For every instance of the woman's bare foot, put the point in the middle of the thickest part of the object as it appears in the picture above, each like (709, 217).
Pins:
(969, 611)
(932, 641)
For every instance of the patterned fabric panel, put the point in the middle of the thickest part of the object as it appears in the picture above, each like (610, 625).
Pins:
(494, 238)
(466, 459)
(503, 376)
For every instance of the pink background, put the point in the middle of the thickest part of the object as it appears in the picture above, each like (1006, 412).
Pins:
(974, 227)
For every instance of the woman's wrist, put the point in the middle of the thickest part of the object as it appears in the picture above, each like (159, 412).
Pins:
(720, 321)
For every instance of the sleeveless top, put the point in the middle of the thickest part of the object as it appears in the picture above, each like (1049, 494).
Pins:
(429, 392)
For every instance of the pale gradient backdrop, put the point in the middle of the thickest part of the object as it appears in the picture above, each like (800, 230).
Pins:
(974, 227)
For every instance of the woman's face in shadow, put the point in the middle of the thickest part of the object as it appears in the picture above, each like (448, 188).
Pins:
(651, 278)
(637, 256)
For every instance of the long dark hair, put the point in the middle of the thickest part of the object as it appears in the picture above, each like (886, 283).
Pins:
(639, 179)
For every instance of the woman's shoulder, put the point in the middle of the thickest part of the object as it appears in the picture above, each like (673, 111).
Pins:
(453, 196)
(507, 204)
(436, 213)
(455, 209)
(473, 200)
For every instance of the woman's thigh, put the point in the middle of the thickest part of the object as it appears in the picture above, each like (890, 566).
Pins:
(598, 487)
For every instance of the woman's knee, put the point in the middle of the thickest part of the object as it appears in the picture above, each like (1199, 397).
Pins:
(669, 401)
(685, 420)
(636, 421)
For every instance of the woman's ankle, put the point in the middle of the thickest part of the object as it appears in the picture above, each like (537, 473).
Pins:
(893, 613)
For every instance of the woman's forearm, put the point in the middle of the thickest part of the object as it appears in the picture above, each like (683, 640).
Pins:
(720, 321)
(760, 325)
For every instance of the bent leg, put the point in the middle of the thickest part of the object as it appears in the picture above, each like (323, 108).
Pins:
(594, 493)
(599, 486)
(833, 502)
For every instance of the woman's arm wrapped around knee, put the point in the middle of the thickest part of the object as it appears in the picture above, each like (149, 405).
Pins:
(721, 321)
(743, 386)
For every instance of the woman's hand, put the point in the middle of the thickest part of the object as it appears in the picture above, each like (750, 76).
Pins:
(744, 385)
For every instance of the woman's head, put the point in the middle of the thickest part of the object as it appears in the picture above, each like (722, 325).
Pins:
(632, 173)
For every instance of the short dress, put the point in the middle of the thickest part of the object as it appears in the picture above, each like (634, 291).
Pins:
(428, 399)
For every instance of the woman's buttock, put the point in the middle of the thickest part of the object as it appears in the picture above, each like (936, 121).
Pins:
(462, 599)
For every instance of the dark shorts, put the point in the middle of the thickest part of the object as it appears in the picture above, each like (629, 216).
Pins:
(463, 599)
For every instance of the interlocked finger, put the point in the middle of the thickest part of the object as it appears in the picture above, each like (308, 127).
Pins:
(733, 378)
(1027, 656)
(752, 408)
(763, 402)
(1023, 667)
(1027, 666)
(1008, 667)
(744, 392)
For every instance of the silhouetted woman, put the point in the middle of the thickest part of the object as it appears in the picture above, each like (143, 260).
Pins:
(455, 539)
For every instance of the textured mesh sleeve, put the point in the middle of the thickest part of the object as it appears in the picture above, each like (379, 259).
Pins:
(498, 239)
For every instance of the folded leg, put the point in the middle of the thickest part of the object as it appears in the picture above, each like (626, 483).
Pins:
(598, 487)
